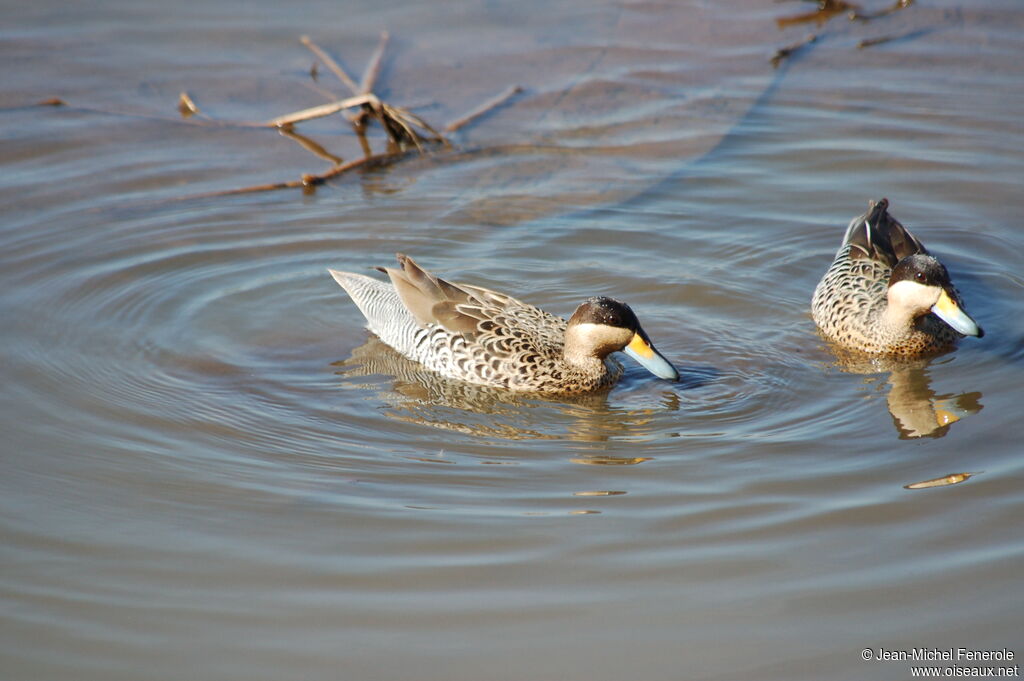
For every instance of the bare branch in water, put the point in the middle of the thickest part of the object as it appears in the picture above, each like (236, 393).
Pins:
(404, 129)
(483, 109)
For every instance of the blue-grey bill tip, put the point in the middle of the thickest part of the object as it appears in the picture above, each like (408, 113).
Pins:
(948, 311)
(650, 359)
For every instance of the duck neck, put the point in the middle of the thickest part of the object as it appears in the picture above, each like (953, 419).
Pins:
(897, 319)
(582, 361)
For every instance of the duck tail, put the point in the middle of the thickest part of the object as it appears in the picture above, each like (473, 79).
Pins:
(376, 299)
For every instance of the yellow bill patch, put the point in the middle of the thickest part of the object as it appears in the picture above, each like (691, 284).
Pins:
(946, 304)
(640, 347)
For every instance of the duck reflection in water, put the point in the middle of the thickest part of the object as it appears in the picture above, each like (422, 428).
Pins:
(419, 395)
(916, 409)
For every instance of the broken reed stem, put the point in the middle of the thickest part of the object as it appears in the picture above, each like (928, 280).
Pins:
(373, 68)
(329, 62)
(483, 109)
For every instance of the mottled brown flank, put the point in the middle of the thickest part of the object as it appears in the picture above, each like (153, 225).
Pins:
(490, 338)
(850, 301)
(522, 347)
(848, 305)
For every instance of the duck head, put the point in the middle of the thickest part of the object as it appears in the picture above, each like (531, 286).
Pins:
(920, 284)
(601, 326)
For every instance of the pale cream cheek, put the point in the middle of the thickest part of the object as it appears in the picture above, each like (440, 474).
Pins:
(602, 339)
(913, 297)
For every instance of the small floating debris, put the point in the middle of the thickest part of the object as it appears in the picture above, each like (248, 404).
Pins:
(951, 479)
(826, 10)
(599, 493)
(855, 15)
(186, 107)
(605, 460)
(784, 52)
(871, 42)
(427, 459)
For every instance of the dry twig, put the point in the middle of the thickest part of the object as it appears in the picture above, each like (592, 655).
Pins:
(373, 68)
(320, 111)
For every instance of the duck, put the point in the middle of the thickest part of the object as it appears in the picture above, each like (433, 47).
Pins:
(885, 294)
(488, 338)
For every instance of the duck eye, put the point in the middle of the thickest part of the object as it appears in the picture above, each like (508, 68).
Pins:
(919, 276)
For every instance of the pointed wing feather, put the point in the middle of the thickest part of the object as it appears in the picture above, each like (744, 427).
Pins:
(879, 236)
(457, 318)
(455, 307)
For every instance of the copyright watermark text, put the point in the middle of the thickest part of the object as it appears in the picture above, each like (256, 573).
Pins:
(959, 662)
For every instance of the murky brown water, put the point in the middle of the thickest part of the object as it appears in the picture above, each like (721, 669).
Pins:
(210, 471)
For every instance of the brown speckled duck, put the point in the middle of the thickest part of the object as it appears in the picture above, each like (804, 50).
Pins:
(488, 338)
(885, 294)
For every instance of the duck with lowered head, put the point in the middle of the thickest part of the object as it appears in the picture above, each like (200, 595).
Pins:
(488, 338)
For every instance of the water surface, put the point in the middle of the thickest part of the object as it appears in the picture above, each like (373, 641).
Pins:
(211, 470)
